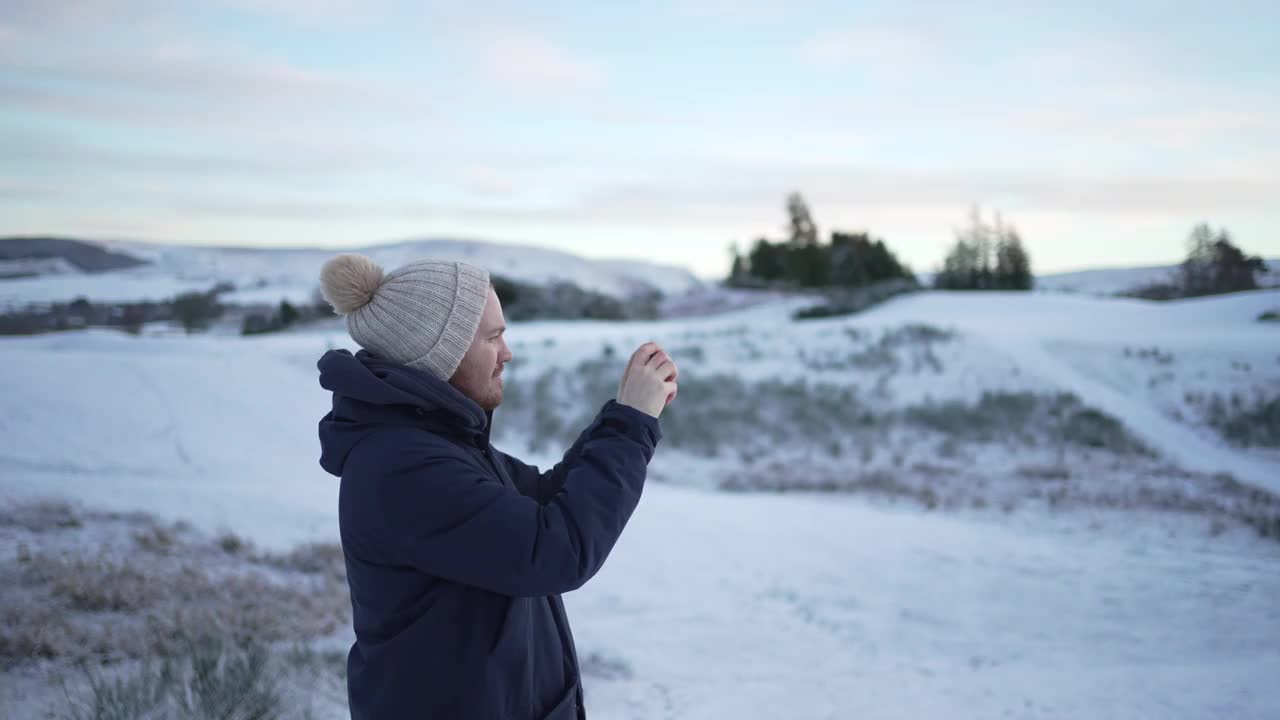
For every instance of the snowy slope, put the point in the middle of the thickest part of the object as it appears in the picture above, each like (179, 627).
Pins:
(270, 274)
(1052, 337)
(1110, 281)
(719, 605)
(1009, 342)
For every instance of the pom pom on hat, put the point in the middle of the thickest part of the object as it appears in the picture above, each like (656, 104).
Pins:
(349, 281)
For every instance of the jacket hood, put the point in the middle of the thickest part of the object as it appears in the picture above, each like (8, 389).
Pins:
(369, 392)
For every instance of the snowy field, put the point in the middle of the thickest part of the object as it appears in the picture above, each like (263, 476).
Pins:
(1114, 281)
(861, 540)
(269, 275)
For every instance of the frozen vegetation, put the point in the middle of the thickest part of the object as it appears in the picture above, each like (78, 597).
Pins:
(953, 505)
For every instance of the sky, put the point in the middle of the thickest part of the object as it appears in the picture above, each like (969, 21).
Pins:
(660, 131)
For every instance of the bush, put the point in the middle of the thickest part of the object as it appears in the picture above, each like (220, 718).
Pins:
(566, 301)
(101, 585)
(882, 354)
(141, 695)
(1025, 415)
(1092, 428)
(714, 412)
(284, 316)
(211, 681)
(195, 310)
(845, 301)
(1248, 424)
(164, 586)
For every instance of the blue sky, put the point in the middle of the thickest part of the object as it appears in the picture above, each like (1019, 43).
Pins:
(662, 131)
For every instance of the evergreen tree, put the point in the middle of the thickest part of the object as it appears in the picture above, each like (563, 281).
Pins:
(1233, 271)
(960, 269)
(288, 313)
(1197, 269)
(847, 266)
(738, 272)
(1215, 265)
(804, 232)
(849, 260)
(808, 265)
(983, 238)
(986, 257)
(765, 261)
(1013, 266)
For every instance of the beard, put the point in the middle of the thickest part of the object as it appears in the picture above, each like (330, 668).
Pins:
(491, 399)
(485, 391)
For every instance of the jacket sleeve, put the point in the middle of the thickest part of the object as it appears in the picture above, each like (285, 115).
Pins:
(442, 515)
(543, 485)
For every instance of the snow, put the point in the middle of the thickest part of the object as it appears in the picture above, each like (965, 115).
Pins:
(1042, 334)
(272, 274)
(173, 425)
(1110, 281)
(718, 604)
(35, 266)
(768, 606)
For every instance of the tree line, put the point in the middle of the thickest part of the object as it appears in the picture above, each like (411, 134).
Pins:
(986, 256)
(802, 260)
(1214, 265)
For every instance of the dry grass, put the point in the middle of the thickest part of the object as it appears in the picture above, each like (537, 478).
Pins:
(1142, 486)
(210, 680)
(106, 588)
(40, 516)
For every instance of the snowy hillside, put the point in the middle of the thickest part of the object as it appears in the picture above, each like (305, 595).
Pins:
(953, 505)
(1111, 281)
(272, 274)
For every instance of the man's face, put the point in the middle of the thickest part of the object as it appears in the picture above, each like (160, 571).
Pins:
(479, 374)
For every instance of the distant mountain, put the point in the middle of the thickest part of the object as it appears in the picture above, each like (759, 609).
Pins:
(143, 270)
(31, 256)
(1111, 281)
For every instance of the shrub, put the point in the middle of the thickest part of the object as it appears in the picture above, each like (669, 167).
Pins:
(1252, 424)
(211, 681)
(41, 516)
(195, 310)
(1025, 415)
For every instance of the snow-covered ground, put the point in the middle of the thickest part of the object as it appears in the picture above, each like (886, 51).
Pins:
(719, 604)
(272, 274)
(1111, 281)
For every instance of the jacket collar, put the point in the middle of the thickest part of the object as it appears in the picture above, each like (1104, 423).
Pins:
(367, 388)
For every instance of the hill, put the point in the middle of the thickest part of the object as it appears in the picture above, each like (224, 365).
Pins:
(62, 269)
(1114, 281)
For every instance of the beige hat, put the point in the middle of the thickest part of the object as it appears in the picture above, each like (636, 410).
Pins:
(423, 314)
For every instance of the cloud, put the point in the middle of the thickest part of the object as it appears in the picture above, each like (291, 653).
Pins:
(1186, 128)
(693, 216)
(733, 10)
(704, 197)
(274, 112)
(889, 50)
(27, 189)
(311, 12)
(530, 62)
(486, 180)
(173, 71)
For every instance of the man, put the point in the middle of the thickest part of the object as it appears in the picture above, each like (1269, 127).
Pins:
(457, 553)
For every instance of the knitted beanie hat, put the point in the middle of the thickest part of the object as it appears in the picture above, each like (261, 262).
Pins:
(423, 314)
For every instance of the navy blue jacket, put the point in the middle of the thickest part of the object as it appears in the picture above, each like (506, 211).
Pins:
(457, 553)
